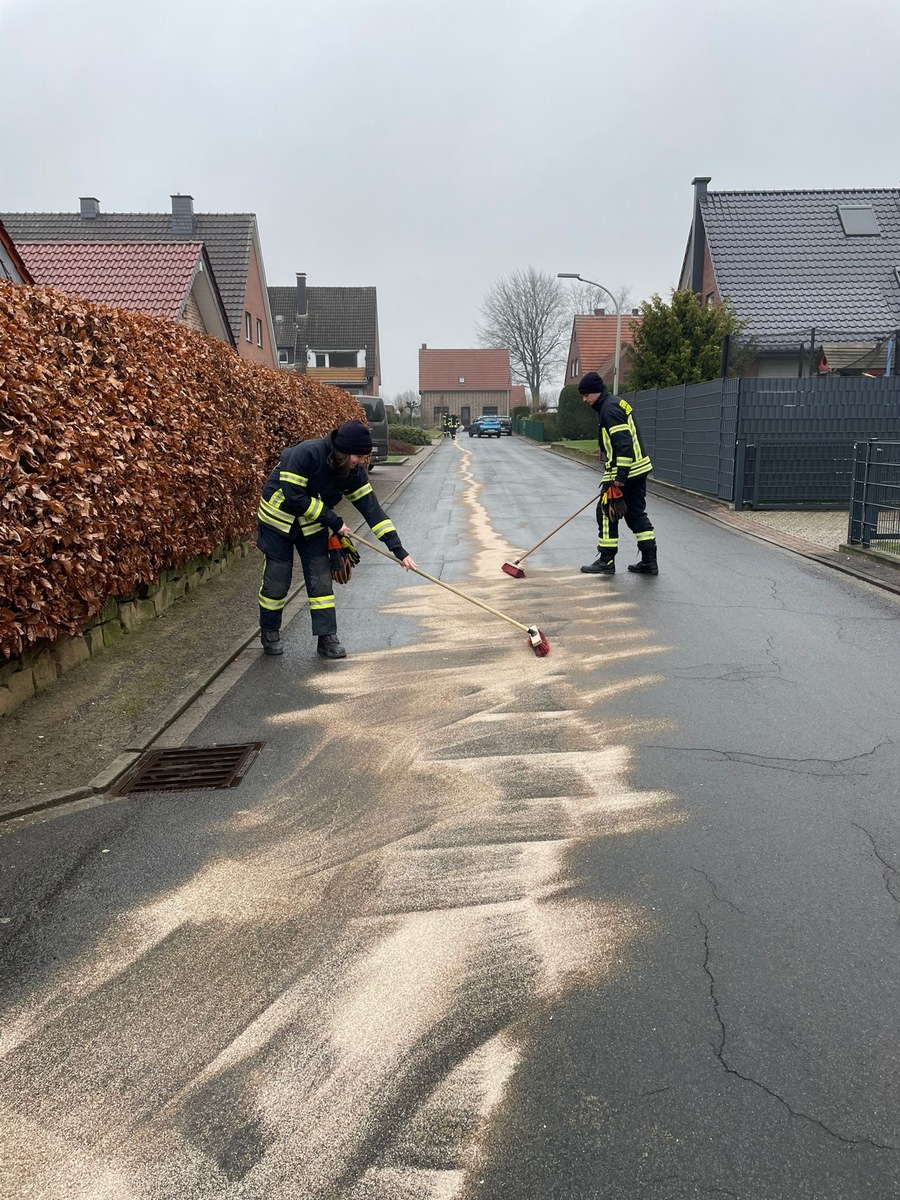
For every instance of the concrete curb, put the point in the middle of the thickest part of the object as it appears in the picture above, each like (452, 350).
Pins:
(107, 778)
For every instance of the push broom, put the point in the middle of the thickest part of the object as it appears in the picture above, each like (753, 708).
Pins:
(536, 640)
(513, 568)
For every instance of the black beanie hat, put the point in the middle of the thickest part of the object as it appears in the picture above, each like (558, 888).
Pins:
(352, 438)
(590, 383)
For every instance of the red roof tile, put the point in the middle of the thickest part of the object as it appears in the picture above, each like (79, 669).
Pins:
(481, 370)
(595, 338)
(148, 277)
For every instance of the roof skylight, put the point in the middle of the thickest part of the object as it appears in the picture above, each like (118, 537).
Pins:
(859, 220)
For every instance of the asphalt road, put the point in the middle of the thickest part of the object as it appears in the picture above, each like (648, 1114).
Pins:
(619, 922)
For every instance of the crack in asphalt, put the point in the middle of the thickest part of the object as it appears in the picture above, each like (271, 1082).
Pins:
(719, 1051)
(712, 888)
(889, 873)
(822, 767)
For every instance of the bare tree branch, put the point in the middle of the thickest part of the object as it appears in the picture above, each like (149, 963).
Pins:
(527, 313)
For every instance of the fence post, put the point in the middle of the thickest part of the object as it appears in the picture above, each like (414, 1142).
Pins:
(757, 468)
(870, 511)
(854, 524)
(740, 459)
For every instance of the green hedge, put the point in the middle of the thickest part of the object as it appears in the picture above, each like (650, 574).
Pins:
(410, 433)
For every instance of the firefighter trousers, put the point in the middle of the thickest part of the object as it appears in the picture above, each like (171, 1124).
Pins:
(276, 581)
(634, 492)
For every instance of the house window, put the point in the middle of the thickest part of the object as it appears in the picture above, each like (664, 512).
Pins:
(574, 368)
(490, 410)
(710, 299)
(462, 379)
(258, 332)
(283, 358)
(336, 358)
(248, 327)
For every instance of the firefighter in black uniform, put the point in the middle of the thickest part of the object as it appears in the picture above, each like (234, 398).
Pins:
(296, 512)
(623, 490)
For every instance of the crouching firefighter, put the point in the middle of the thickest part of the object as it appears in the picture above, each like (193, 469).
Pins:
(623, 490)
(296, 511)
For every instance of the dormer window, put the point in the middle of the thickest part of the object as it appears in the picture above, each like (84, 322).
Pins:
(330, 359)
(859, 220)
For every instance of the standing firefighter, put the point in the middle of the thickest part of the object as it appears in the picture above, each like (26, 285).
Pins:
(623, 491)
(296, 511)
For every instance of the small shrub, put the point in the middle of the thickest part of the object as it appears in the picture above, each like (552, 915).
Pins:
(396, 446)
(411, 434)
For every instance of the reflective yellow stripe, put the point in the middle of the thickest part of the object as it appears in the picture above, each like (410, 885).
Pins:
(317, 602)
(274, 517)
(271, 605)
(309, 530)
(621, 459)
(314, 510)
(275, 510)
(290, 477)
(625, 407)
(619, 428)
(649, 535)
(360, 492)
(382, 528)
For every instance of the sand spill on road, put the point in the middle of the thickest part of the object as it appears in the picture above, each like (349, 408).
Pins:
(335, 1005)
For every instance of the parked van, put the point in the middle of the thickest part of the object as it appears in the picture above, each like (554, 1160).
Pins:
(377, 419)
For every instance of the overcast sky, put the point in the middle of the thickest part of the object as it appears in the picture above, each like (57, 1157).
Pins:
(429, 147)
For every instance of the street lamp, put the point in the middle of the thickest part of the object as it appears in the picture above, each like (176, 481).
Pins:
(574, 275)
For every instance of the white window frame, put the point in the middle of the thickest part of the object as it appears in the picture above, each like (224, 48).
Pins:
(248, 327)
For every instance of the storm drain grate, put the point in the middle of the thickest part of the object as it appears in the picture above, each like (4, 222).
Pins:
(190, 767)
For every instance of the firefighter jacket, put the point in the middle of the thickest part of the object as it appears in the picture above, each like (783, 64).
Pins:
(298, 497)
(620, 439)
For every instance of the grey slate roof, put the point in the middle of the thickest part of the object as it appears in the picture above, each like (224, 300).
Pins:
(784, 261)
(339, 318)
(227, 237)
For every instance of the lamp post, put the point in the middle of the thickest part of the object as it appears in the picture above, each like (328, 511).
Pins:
(574, 275)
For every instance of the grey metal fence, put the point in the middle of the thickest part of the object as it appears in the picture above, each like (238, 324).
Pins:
(766, 442)
(875, 496)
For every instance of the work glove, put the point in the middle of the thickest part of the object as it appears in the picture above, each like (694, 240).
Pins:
(341, 559)
(348, 550)
(614, 502)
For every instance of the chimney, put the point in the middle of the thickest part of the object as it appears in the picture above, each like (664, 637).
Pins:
(90, 207)
(302, 302)
(635, 312)
(424, 347)
(182, 216)
(698, 239)
(599, 312)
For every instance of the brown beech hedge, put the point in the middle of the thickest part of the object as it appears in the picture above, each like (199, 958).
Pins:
(128, 446)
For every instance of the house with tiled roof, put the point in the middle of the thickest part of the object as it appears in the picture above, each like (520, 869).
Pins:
(467, 383)
(231, 241)
(592, 345)
(11, 265)
(813, 273)
(329, 333)
(163, 279)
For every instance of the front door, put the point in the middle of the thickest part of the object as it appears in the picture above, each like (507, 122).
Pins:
(465, 414)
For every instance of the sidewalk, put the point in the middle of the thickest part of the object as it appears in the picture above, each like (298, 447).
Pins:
(73, 740)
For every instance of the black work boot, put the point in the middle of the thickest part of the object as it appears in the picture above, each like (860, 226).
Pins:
(648, 564)
(329, 646)
(600, 566)
(271, 641)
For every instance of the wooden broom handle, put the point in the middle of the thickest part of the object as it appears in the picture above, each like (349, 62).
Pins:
(440, 583)
(593, 500)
